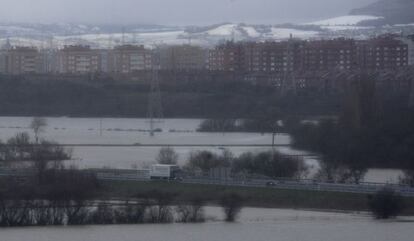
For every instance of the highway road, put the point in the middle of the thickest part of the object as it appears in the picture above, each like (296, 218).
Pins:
(309, 185)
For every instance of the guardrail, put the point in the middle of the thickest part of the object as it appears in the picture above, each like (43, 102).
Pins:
(153, 145)
(316, 186)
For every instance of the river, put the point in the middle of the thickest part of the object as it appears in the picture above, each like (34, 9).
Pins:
(253, 225)
(132, 131)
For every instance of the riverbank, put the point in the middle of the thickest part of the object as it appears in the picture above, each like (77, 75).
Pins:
(254, 197)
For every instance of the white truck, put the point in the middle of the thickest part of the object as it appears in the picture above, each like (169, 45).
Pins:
(160, 171)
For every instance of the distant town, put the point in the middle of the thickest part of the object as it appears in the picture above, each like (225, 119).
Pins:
(274, 59)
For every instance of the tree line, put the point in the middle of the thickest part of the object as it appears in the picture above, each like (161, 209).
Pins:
(72, 197)
(373, 130)
(218, 96)
(267, 164)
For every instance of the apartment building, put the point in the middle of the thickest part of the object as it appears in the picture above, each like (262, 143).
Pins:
(129, 58)
(78, 59)
(304, 56)
(382, 53)
(20, 60)
(409, 41)
(182, 57)
(268, 58)
(327, 55)
(272, 57)
(227, 57)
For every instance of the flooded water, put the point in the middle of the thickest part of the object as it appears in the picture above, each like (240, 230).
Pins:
(253, 225)
(132, 131)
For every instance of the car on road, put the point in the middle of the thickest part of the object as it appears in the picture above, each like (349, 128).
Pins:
(271, 183)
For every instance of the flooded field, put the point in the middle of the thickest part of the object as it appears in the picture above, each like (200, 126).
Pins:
(135, 131)
(132, 131)
(253, 225)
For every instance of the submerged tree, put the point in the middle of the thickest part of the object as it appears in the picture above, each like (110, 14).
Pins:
(408, 178)
(191, 213)
(41, 155)
(232, 204)
(270, 164)
(48, 155)
(161, 211)
(104, 214)
(207, 160)
(37, 125)
(386, 204)
(131, 212)
(18, 148)
(167, 155)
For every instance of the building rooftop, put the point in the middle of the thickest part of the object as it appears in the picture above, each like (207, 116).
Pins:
(76, 48)
(130, 47)
(24, 49)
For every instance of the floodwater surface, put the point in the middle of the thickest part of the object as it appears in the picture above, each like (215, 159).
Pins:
(254, 225)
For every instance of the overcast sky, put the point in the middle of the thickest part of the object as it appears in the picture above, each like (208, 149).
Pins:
(174, 12)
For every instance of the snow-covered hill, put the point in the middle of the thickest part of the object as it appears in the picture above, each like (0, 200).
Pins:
(348, 20)
(384, 16)
(58, 35)
(224, 30)
(344, 23)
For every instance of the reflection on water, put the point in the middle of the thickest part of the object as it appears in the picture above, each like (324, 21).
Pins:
(254, 225)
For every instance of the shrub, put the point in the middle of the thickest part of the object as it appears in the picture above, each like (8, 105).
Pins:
(386, 204)
(232, 204)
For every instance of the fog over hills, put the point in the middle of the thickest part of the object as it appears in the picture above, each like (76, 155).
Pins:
(173, 12)
(393, 11)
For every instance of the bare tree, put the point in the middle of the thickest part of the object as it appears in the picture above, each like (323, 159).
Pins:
(386, 204)
(168, 156)
(131, 212)
(47, 153)
(192, 213)
(18, 148)
(232, 204)
(37, 125)
(408, 178)
(161, 211)
(104, 214)
(206, 160)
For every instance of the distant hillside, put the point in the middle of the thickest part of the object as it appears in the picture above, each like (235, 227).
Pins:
(393, 11)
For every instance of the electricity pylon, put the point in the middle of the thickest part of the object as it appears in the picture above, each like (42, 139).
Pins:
(155, 113)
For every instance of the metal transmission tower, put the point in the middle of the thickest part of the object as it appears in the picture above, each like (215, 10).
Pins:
(155, 113)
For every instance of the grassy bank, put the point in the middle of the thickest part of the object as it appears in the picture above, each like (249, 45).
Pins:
(255, 197)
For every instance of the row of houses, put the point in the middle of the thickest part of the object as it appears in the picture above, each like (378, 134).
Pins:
(83, 59)
(303, 56)
(291, 56)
